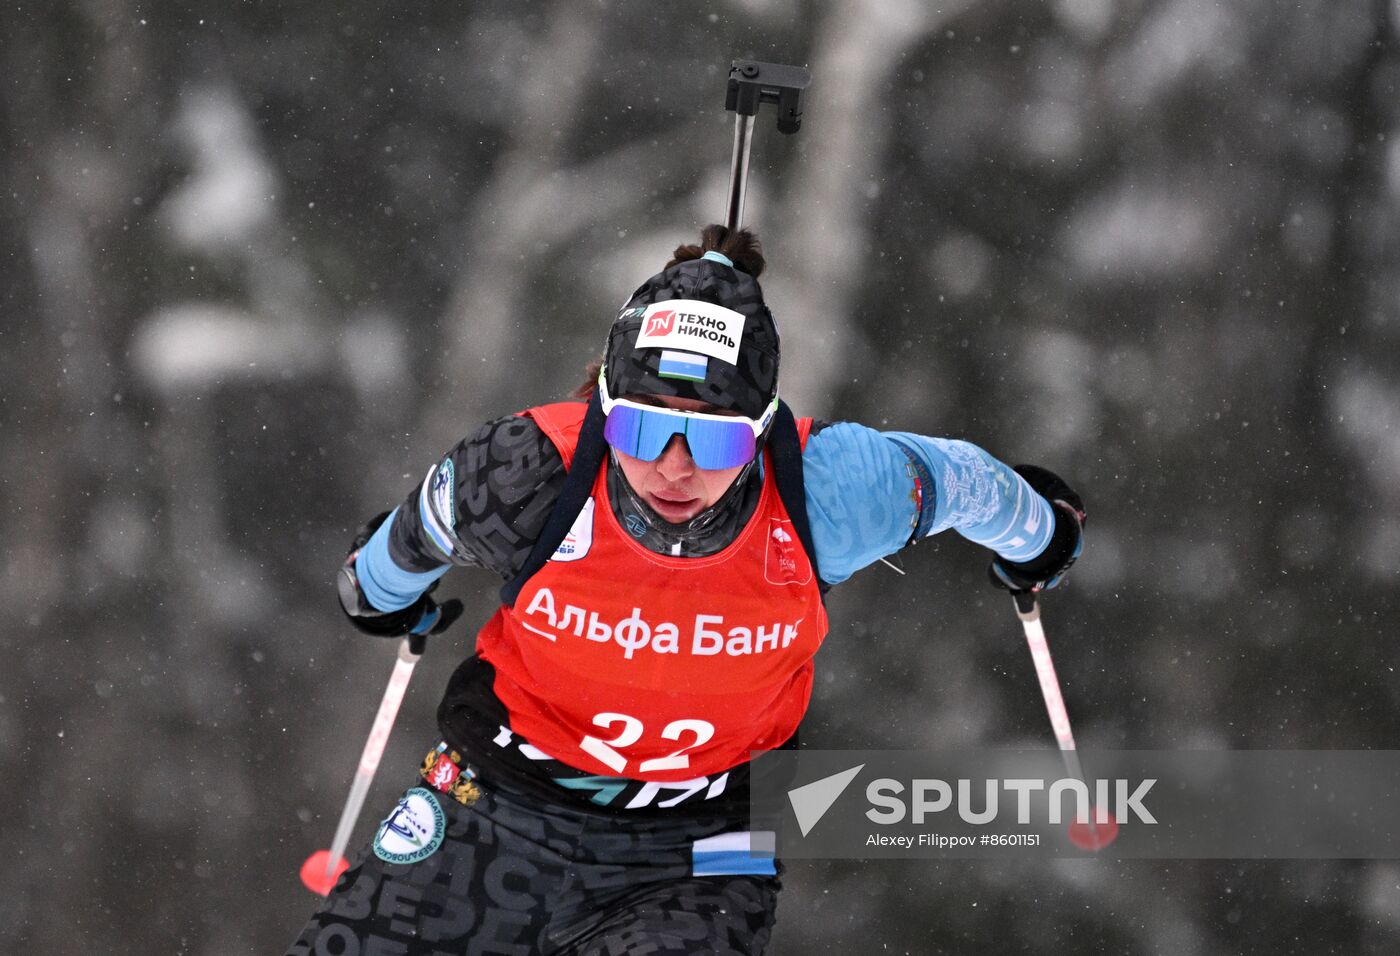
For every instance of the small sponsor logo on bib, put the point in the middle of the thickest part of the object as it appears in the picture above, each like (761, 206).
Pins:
(783, 563)
(580, 537)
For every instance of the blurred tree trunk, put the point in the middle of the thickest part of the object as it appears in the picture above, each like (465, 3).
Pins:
(827, 211)
(515, 214)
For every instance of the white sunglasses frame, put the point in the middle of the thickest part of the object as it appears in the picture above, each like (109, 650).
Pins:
(758, 426)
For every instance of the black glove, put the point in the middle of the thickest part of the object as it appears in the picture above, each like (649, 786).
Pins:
(1048, 569)
(424, 616)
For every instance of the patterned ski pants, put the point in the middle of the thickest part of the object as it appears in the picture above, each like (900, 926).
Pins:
(516, 876)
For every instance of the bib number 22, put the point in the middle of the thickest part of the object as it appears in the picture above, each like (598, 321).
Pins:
(693, 733)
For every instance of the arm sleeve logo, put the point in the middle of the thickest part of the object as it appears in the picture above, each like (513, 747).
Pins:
(438, 507)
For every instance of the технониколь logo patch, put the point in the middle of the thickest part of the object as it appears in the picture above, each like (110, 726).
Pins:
(413, 831)
(693, 326)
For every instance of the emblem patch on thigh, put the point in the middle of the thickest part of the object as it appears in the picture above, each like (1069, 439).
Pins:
(413, 831)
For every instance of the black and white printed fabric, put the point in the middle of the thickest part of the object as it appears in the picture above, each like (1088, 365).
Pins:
(512, 874)
(505, 479)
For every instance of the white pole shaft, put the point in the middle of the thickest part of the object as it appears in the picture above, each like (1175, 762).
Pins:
(373, 752)
(1049, 681)
(1054, 700)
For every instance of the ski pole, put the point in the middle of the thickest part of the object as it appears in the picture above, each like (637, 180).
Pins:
(751, 84)
(738, 171)
(323, 868)
(1028, 610)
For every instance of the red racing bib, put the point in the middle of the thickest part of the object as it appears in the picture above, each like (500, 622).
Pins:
(627, 663)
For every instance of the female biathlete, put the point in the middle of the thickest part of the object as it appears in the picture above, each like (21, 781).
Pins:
(666, 544)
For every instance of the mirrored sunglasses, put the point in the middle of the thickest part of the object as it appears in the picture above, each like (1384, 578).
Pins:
(715, 441)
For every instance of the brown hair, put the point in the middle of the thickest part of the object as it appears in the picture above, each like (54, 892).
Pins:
(741, 246)
(590, 381)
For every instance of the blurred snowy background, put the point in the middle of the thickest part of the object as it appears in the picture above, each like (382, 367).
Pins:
(262, 263)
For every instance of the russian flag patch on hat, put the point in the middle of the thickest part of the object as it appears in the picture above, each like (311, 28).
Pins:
(682, 365)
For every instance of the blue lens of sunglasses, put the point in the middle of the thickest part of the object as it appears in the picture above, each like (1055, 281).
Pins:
(645, 434)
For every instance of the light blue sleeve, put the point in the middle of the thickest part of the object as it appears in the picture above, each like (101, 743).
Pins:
(388, 586)
(861, 502)
(869, 493)
(981, 498)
